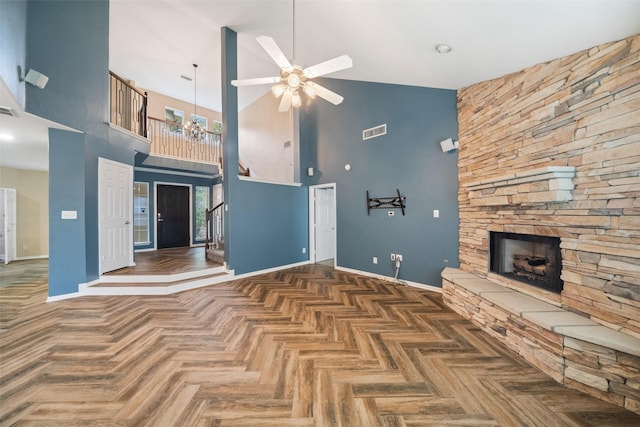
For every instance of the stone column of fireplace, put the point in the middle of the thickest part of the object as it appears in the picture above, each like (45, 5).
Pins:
(581, 113)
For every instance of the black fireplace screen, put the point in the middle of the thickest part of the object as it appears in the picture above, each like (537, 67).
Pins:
(535, 260)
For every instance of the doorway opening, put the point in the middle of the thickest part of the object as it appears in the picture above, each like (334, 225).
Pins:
(322, 223)
(173, 213)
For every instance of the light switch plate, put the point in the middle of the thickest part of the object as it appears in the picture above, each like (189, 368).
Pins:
(69, 215)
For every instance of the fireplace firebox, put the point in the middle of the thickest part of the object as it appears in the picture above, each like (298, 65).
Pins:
(531, 259)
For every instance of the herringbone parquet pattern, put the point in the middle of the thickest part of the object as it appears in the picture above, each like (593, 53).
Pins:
(167, 261)
(308, 346)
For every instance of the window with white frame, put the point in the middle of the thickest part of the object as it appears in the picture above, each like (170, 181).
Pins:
(174, 119)
(140, 213)
(202, 204)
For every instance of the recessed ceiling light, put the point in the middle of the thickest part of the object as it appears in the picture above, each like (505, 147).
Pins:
(443, 48)
(6, 137)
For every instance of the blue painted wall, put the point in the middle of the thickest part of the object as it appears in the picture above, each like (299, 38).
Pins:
(68, 41)
(266, 224)
(13, 36)
(66, 194)
(270, 225)
(407, 158)
(156, 177)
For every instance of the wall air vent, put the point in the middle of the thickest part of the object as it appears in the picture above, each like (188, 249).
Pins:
(373, 132)
(7, 111)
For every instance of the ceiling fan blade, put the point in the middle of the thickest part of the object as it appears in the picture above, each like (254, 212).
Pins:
(331, 66)
(285, 102)
(327, 94)
(269, 45)
(258, 81)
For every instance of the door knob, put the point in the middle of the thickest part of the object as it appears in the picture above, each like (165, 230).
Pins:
(127, 223)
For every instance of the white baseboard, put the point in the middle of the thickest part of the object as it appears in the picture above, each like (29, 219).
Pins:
(391, 279)
(269, 270)
(87, 284)
(26, 258)
(63, 297)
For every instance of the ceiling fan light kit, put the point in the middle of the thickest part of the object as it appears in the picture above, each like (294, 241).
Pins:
(293, 77)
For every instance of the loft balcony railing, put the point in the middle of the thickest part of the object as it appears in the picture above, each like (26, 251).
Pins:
(129, 111)
(128, 105)
(170, 139)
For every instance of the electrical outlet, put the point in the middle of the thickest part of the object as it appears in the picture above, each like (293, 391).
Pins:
(399, 257)
(375, 259)
(304, 250)
(25, 248)
(393, 257)
(436, 213)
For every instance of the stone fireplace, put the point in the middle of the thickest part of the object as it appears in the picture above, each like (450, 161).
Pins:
(554, 151)
(527, 258)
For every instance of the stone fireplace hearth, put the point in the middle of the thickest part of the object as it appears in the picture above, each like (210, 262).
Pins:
(554, 150)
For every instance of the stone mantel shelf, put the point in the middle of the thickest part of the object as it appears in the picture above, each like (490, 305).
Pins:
(540, 185)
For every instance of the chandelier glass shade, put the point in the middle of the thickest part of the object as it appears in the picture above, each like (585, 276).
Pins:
(292, 82)
(195, 131)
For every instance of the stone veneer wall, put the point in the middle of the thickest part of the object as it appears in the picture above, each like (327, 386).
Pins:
(579, 111)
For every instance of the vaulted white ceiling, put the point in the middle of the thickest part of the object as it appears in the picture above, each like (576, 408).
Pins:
(153, 42)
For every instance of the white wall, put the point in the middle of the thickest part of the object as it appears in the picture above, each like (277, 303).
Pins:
(262, 134)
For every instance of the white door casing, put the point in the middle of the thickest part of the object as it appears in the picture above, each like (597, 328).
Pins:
(322, 222)
(115, 210)
(9, 224)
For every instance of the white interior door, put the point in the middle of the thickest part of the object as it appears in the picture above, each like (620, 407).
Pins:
(8, 214)
(115, 200)
(324, 223)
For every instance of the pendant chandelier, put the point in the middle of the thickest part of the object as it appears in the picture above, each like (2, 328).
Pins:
(194, 129)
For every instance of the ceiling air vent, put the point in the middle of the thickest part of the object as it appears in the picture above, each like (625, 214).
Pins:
(373, 132)
(7, 111)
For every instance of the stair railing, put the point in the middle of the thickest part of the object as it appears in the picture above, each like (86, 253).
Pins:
(128, 105)
(214, 217)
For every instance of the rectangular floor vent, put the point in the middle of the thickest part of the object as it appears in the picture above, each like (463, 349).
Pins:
(373, 132)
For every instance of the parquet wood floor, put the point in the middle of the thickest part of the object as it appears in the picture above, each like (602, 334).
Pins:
(307, 346)
(167, 261)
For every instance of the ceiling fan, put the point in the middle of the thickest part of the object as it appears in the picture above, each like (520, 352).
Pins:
(294, 78)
